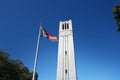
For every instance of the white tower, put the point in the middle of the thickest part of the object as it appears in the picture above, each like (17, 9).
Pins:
(66, 69)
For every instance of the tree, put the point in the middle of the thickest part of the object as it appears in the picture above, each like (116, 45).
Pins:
(116, 12)
(13, 69)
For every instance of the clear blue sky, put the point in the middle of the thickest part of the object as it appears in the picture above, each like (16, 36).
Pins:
(97, 44)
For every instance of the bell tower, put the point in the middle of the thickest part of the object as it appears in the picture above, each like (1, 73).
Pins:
(66, 69)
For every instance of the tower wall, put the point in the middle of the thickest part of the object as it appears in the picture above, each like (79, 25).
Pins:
(66, 69)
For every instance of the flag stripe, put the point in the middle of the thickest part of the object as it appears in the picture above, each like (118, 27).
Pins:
(52, 38)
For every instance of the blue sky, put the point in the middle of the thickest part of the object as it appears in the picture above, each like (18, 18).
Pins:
(97, 43)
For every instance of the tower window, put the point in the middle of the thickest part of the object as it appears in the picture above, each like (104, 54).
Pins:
(67, 26)
(63, 26)
(65, 52)
(66, 71)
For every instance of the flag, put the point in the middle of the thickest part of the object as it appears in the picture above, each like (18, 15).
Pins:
(47, 35)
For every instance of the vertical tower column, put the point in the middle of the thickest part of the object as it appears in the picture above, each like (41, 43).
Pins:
(66, 60)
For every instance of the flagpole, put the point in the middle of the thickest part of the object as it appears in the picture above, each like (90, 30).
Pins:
(36, 56)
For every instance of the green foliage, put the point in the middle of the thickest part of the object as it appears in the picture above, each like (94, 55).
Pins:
(116, 12)
(118, 28)
(13, 69)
